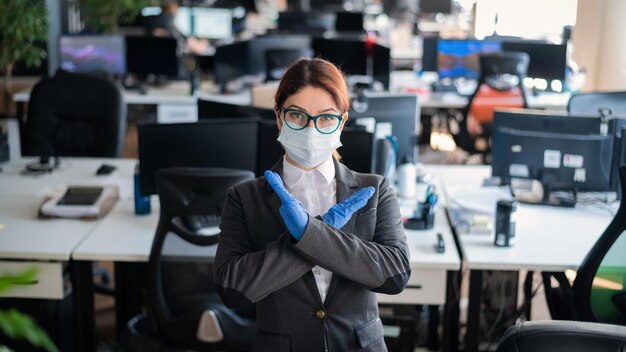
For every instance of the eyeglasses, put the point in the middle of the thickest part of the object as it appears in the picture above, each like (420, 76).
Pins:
(298, 120)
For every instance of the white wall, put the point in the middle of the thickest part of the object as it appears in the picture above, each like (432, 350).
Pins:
(600, 44)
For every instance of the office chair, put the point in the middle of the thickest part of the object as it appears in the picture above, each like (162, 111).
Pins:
(570, 336)
(181, 297)
(598, 293)
(592, 103)
(75, 115)
(499, 86)
(277, 61)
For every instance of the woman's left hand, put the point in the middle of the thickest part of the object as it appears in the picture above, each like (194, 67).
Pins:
(340, 213)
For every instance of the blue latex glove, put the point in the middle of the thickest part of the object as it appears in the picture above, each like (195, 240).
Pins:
(340, 213)
(294, 215)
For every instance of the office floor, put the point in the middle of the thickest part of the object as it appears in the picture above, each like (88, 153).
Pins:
(105, 306)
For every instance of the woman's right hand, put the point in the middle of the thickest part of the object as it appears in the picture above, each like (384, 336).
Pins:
(294, 215)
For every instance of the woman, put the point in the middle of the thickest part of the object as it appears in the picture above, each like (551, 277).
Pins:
(311, 242)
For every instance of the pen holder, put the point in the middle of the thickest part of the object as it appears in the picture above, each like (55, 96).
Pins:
(423, 218)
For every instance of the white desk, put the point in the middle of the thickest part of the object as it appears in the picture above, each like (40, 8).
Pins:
(48, 244)
(547, 239)
(74, 171)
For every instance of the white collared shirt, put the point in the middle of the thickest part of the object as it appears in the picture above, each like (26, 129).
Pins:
(317, 191)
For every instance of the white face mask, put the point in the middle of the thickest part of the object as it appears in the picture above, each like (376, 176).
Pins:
(307, 146)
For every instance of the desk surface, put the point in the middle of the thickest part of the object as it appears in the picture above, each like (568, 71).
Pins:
(547, 238)
(72, 171)
(23, 235)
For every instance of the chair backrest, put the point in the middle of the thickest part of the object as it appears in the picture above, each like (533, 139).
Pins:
(591, 103)
(599, 288)
(550, 336)
(499, 84)
(75, 115)
(183, 192)
(278, 60)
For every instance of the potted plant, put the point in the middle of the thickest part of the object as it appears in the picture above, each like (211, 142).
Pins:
(23, 23)
(18, 326)
(105, 15)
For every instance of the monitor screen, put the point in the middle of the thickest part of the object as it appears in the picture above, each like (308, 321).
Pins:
(351, 57)
(435, 6)
(557, 149)
(309, 22)
(429, 54)
(212, 23)
(258, 46)
(229, 143)
(182, 21)
(231, 62)
(547, 61)
(349, 22)
(152, 55)
(210, 109)
(402, 110)
(93, 54)
(460, 58)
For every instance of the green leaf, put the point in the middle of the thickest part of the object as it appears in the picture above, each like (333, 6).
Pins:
(16, 325)
(23, 23)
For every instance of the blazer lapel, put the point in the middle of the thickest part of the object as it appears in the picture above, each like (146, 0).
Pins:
(272, 199)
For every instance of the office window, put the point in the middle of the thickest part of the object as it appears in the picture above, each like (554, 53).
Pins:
(531, 19)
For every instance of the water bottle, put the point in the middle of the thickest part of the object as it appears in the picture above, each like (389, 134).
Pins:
(142, 203)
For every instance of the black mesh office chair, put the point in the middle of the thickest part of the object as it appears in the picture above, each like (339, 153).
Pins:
(75, 115)
(277, 61)
(499, 86)
(561, 336)
(182, 302)
(598, 293)
(592, 103)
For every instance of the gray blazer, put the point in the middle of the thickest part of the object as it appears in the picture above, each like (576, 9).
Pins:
(257, 261)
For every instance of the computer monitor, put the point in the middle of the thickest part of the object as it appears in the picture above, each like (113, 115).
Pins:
(351, 57)
(460, 58)
(401, 110)
(103, 54)
(183, 22)
(547, 61)
(231, 62)
(563, 152)
(357, 152)
(228, 143)
(429, 54)
(435, 6)
(152, 55)
(212, 23)
(305, 22)
(349, 22)
(259, 45)
(209, 109)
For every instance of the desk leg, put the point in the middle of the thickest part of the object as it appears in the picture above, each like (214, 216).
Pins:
(127, 294)
(432, 342)
(473, 311)
(528, 292)
(81, 275)
(450, 334)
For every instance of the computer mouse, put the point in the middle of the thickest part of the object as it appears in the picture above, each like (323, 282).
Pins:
(105, 169)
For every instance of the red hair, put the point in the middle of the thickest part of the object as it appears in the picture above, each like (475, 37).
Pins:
(317, 73)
